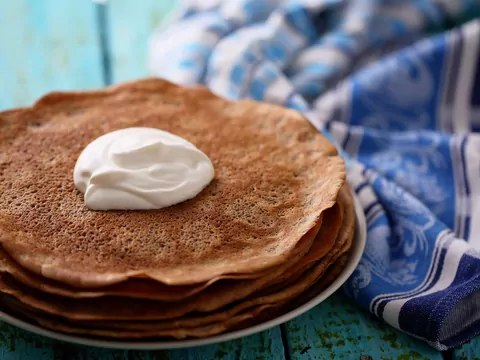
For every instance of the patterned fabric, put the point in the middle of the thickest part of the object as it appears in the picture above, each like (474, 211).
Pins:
(401, 100)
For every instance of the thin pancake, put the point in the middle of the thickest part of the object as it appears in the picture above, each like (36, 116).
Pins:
(126, 309)
(324, 242)
(331, 274)
(342, 243)
(337, 256)
(257, 299)
(114, 308)
(134, 288)
(274, 176)
(265, 302)
(57, 325)
(333, 271)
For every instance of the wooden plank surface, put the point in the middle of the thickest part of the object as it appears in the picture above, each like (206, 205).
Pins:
(16, 344)
(469, 351)
(130, 24)
(337, 329)
(46, 45)
(54, 45)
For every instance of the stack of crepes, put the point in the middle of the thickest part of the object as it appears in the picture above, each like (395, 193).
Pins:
(270, 231)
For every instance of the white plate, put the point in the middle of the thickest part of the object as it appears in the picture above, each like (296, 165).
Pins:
(355, 255)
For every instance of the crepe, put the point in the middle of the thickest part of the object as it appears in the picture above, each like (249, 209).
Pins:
(197, 328)
(133, 309)
(336, 265)
(287, 289)
(214, 298)
(274, 177)
(332, 273)
(57, 325)
(271, 313)
(115, 308)
(147, 289)
(137, 288)
(251, 311)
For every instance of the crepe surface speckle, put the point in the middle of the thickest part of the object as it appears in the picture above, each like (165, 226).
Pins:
(274, 176)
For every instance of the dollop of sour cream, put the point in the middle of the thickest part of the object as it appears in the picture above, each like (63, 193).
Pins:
(140, 169)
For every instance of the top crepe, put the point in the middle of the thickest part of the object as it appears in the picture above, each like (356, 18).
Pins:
(274, 176)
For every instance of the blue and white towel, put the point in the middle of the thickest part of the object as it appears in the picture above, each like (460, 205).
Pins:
(401, 96)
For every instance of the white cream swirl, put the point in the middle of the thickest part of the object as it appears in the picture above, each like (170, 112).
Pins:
(140, 169)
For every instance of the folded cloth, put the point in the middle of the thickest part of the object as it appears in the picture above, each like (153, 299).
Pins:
(400, 96)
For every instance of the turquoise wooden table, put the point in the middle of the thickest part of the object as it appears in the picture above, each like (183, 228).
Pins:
(50, 45)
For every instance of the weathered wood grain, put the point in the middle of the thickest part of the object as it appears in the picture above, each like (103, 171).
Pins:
(46, 45)
(130, 25)
(54, 45)
(469, 351)
(337, 329)
(16, 344)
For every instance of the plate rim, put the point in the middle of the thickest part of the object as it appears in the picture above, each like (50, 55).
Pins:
(358, 249)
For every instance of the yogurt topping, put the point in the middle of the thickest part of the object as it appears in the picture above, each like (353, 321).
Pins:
(140, 169)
